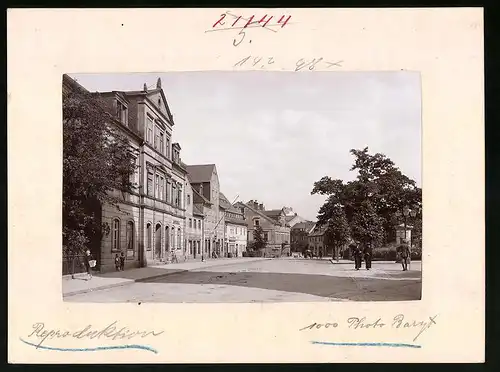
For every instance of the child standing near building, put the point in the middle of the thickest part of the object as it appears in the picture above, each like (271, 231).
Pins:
(122, 261)
(117, 262)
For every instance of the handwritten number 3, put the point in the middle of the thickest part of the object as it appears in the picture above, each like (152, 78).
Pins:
(242, 33)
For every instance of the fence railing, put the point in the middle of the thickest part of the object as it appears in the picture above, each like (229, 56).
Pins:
(73, 264)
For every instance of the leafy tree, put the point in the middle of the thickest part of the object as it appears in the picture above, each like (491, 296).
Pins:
(366, 225)
(258, 239)
(337, 231)
(96, 160)
(379, 181)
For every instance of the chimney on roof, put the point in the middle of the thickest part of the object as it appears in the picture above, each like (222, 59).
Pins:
(158, 83)
(261, 206)
(145, 87)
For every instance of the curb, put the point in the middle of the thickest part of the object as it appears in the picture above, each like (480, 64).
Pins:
(140, 280)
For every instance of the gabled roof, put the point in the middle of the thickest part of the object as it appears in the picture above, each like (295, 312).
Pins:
(306, 225)
(197, 210)
(318, 231)
(149, 93)
(224, 202)
(273, 212)
(200, 197)
(200, 173)
(258, 212)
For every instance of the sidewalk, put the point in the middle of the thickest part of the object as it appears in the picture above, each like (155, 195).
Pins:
(78, 285)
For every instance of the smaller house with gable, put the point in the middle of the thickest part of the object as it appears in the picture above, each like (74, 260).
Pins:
(273, 223)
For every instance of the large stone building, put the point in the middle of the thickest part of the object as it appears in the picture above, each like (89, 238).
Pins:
(148, 224)
(206, 195)
(235, 239)
(276, 231)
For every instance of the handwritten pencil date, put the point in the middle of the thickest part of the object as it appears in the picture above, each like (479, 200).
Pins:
(301, 64)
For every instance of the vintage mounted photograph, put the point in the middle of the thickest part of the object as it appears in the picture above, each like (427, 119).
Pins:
(220, 187)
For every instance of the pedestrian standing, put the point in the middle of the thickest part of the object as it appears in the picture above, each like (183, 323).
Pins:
(357, 256)
(117, 262)
(368, 256)
(405, 254)
(122, 261)
(89, 263)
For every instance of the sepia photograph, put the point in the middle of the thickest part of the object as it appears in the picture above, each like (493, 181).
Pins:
(241, 187)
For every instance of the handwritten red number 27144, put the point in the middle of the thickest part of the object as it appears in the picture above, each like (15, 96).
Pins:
(264, 21)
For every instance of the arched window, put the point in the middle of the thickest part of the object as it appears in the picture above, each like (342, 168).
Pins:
(115, 235)
(179, 242)
(149, 234)
(130, 236)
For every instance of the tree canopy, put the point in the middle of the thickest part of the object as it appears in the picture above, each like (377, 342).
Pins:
(96, 160)
(371, 201)
(258, 239)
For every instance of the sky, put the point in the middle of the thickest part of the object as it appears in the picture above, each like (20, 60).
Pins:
(271, 135)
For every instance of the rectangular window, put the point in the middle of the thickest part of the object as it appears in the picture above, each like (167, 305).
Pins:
(115, 237)
(265, 236)
(167, 147)
(169, 186)
(256, 222)
(150, 190)
(189, 200)
(130, 235)
(157, 185)
(198, 244)
(190, 223)
(121, 112)
(162, 136)
(162, 185)
(174, 194)
(149, 131)
(199, 224)
(179, 197)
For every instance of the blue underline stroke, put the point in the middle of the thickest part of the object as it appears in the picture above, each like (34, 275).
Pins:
(99, 348)
(380, 344)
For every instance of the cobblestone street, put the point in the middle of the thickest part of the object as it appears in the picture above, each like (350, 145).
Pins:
(276, 280)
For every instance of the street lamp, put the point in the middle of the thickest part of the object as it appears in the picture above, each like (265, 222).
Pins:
(408, 212)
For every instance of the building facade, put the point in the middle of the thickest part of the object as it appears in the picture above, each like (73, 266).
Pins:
(299, 236)
(194, 225)
(276, 231)
(148, 224)
(235, 239)
(206, 190)
(317, 241)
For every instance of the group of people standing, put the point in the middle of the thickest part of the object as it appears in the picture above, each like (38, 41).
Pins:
(403, 251)
(358, 255)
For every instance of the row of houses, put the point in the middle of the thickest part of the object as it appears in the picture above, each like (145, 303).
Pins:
(308, 235)
(176, 210)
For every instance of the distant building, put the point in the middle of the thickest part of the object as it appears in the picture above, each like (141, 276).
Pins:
(205, 183)
(291, 217)
(317, 240)
(299, 236)
(276, 230)
(235, 239)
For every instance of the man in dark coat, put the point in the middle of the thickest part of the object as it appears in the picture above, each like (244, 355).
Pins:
(404, 253)
(356, 251)
(368, 256)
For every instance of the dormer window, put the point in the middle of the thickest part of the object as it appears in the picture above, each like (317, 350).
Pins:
(121, 112)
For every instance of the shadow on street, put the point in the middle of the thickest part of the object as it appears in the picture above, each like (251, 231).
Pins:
(357, 289)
